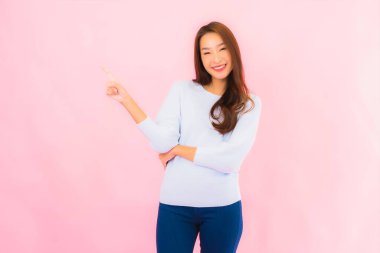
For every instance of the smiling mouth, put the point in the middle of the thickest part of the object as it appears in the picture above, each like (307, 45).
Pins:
(219, 68)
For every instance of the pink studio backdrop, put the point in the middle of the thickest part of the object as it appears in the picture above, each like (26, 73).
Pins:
(76, 175)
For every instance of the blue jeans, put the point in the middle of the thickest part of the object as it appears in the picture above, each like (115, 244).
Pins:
(219, 228)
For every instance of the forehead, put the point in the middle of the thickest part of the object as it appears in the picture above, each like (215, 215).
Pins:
(210, 40)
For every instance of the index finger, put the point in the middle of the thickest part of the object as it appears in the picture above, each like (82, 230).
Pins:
(108, 73)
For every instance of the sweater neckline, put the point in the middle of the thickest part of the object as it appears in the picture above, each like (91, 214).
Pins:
(209, 92)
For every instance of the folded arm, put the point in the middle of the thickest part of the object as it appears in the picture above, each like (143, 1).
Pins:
(226, 156)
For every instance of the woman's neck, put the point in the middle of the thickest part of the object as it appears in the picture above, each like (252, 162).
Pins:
(217, 86)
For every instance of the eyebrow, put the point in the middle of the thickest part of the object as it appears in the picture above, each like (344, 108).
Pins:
(216, 45)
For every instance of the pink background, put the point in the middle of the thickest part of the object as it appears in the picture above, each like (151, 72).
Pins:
(76, 175)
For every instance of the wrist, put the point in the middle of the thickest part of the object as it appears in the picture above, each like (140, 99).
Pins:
(125, 99)
(175, 150)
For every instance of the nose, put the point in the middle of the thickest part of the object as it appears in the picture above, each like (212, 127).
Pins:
(217, 59)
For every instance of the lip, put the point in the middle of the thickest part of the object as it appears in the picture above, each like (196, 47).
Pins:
(219, 70)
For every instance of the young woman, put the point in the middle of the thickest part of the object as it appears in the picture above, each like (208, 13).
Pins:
(203, 132)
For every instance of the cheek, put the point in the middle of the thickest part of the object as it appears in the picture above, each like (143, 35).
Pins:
(205, 62)
(228, 56)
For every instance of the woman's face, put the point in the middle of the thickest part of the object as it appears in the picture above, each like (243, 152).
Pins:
(215, 56)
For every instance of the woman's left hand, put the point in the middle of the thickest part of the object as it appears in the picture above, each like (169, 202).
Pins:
(166, 157)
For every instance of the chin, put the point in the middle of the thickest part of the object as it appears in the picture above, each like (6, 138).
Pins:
(221, 77)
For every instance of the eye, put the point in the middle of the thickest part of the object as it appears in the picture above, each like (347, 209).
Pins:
(206, 53)
(223, 48)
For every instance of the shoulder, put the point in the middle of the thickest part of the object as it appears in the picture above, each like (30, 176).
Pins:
(251, 110)
(184, 85)
(176, 87)
(257, 102)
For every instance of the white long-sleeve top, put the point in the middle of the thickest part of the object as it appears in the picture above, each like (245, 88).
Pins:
(212, 179)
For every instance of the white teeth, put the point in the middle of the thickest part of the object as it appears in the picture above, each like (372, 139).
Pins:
(220, 67)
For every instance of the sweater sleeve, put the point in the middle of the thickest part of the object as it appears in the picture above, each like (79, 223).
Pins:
(164, 132)
(227, 156)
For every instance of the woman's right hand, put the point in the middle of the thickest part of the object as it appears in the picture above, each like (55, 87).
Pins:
(116, 91)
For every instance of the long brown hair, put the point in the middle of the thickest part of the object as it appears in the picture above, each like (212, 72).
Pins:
(234, 99)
